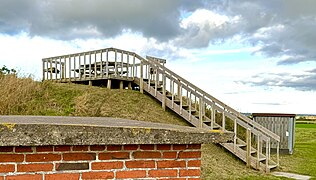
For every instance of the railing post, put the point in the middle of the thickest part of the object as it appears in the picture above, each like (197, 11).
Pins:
(212, 116)
(180, 96)
(51, 69)
(107, 64)
(190, 106)
(201, 112)
(278, 153)
(258, 151)
(235, 134)
(248, 152)
(43, 61)
(164, 92)
(156, 82)
(69, 68)
(63, 69)
(172, 94)
(56, 69)
(223, 120)
(141, 80)
(267, 156)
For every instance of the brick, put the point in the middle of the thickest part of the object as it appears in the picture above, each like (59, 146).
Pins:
(42, 157)
(72, 166)
(169, 155)
(140, 164)
(194, 146)
(25, 176)
(113, 155)
(68, 176)
(163, 173)
(114, 147)
(23, 149)
(78, 156)
(97, 175)
(80, 148)
(62, 148)
(194, 163)
(170, 164)
(147, 147)
(1, 177)
(131, 174)
(190, 172)
(6, 149)
(34, 167)
(44, 148)
(179, 147)
(189, 154)
(4, 168)
(174, 178)
(194, 178)
(97, 148)
(11, 157)
(163, 147)
(107, 165)
(146, 154)
(130, 147)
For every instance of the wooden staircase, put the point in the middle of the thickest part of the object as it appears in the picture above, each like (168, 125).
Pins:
(252, 142)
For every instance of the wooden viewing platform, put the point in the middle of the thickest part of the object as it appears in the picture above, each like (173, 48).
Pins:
(117, 68)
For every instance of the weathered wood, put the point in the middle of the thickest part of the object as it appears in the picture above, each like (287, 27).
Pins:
(163, 92)
(248, 139)
(121, 85)
(141, 84)
(109, 84)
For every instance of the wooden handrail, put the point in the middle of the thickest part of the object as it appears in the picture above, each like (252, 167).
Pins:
(225, 107)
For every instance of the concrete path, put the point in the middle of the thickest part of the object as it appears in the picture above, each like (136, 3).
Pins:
(291, 175)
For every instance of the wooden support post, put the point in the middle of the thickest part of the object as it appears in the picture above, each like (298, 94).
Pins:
(56, 69)
(156, 82)
(121, 85)
(107, 64)
(201, 112)
(51, 69)
(133, 69)
(172, 94)
(164, 92)
(90, 65)
(190, 106)
(109, 84)
(90, 83)
(248, 152)
(130, 85)
(179, 88)
(180, 96)
(79, 66)
(235, 134)
(141, 81)
(278, 153)
(212, 115)
(101, 64)
(84, 65)
(267, 156)
(258, 151)
(63, 69)
(69, 68)
(43, 61)
(115, 63)
(223, 120)
(95, 64)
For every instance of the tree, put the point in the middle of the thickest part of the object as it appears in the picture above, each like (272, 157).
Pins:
(4, 70)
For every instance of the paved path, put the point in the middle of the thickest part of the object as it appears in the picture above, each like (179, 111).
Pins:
(291, 175)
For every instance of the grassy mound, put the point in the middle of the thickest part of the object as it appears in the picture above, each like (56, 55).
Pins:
(23, 96)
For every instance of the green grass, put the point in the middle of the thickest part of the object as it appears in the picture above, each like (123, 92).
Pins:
(303, 160)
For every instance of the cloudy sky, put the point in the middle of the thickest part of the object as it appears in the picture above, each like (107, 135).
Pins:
(255, 55)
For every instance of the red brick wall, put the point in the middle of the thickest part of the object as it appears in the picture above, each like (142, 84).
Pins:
(97, 162)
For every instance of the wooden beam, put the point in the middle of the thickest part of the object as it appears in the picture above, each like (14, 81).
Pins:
(109, 84)
(248, 151)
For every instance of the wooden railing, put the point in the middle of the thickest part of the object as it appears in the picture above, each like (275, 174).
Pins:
(116, 63)
(203, 102)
